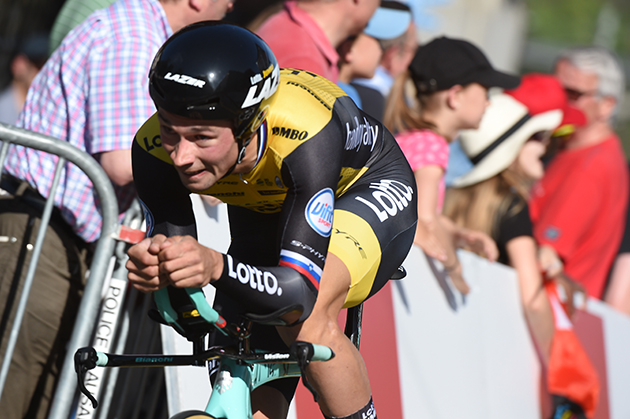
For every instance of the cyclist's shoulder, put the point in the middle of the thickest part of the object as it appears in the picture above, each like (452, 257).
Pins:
(149, 130)
(148, 138)
(300, 93)
(151, 125)
(307, 106)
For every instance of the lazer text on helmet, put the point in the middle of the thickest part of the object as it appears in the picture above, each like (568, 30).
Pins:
(184, 79)
(269, 81)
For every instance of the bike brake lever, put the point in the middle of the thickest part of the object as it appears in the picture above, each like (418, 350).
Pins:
(85, 360)
(303, 353)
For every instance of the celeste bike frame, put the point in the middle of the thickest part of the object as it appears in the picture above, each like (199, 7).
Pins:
(241, 369)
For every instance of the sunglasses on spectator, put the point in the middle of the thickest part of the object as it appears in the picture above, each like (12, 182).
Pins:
(541, 136)
(574, 95)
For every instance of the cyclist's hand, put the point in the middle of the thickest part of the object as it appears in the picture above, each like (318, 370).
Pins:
(184, 262)
(143, 264)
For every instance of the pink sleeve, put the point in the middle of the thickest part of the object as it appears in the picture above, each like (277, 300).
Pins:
(423, 148)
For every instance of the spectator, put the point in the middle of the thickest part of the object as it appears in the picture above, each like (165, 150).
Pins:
(251, 13)
(397, 52)
(579, 206)
(357, 55)
(92, 93)
(30, 57)
(305, 34)
(71, 14)
(618, 290)
(451, 78)
(360, 56)
(492, 197)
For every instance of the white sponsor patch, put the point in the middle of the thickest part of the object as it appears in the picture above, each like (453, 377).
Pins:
(184, 79)
(262, 281)
(262, 88)
(390, 197)
(319, 212)
(363, 134)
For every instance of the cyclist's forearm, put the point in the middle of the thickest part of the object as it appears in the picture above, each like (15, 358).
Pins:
(265, 290)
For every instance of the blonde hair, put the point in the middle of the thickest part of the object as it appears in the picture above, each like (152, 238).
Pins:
(481, 206)
(401, 115)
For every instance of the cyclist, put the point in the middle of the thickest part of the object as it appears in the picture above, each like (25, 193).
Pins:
(321, 201)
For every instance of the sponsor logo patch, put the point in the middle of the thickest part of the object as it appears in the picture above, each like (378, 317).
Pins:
(263, 86)
(226, 194)
(149, 145)
(309, 249)
(271, 192)
(262, 281)
(353, 240)
(363, 134)
(291, 134)
(276, 356)
(153, 359)
(319, 212)
(224, 382)
(389, 198)
(184, 79)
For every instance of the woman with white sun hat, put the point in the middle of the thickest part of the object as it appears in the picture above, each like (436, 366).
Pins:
(492, 197)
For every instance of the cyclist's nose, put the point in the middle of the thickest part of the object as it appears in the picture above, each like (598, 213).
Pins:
(184, 154)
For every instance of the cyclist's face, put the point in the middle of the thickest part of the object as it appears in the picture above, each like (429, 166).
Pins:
(202, 151)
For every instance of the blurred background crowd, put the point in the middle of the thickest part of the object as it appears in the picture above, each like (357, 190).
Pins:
(517, 35)
(481, 181)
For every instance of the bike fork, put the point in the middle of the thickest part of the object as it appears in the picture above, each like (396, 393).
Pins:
(230, 396)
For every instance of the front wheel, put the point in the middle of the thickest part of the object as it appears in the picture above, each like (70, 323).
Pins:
(193, 414)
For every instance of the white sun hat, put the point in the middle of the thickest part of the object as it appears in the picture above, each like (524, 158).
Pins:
(505, 127)
(539, 104)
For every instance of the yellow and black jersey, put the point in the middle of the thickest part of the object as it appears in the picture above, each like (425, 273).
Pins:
(328, 177)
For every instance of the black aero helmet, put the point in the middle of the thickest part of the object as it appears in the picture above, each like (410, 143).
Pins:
(216, 71)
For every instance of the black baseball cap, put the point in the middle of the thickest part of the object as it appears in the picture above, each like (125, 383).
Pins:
(445, 62)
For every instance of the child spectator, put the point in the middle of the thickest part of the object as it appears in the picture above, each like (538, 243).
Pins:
(451, 78)
(360, 56)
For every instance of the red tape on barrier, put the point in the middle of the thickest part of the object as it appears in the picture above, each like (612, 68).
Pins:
(129, 235)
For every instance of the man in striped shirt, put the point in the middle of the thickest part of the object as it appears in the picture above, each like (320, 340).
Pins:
(93, 93)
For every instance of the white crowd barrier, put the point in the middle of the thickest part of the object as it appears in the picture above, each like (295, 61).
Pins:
(433, 354)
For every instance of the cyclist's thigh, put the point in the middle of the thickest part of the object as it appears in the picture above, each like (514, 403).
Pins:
(373, 229)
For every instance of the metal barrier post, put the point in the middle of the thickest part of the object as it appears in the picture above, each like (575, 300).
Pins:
(89, 306)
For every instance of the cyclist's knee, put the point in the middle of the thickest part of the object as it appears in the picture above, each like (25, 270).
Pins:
(320, 329)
